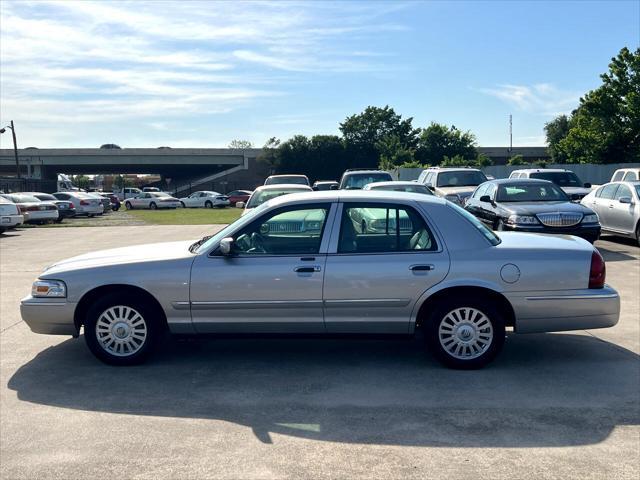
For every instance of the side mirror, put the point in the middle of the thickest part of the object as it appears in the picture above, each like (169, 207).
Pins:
(333, 187)
(587, 185)
(240, 204)
(626, 200)
(226, 246)
(485, 199)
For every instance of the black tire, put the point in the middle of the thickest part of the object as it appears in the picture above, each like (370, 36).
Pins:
(208, 204)
(182, 205)
(500, 226)
(128, 206)
(153, 206)
(151, 317)
(638, 234)
(115, 209)
(437, 339)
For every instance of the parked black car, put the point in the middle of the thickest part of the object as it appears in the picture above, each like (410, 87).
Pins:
(66, 209)
(527, 205)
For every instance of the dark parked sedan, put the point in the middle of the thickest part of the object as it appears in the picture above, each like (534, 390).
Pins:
(527, 205)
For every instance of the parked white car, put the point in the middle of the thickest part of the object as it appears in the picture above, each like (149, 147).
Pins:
(85, 204)
(33, 209)
(266, 192)
(10, 216)
(129, 192)
(205, 199)
(626, 175)
(152, 201)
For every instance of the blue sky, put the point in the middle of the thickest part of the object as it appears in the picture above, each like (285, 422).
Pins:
(199, 74)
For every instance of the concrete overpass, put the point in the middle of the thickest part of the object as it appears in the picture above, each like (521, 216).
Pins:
(185, 167)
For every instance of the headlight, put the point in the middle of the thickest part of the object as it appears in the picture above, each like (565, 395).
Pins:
(49, 288)
(452, 197)
(523, 220)
(591, 218)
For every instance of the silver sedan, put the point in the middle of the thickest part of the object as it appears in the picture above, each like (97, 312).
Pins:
(618, 207)
(302, 263)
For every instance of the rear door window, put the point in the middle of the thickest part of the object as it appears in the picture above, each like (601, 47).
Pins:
(608, 191)
(630, 177)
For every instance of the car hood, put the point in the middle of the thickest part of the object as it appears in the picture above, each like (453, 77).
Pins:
(532, 208)
(119, 256)
(461, 191)
(576, 190)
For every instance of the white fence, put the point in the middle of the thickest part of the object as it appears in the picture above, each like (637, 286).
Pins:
(587, 172)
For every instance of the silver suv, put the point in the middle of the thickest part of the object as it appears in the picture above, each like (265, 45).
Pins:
(454, 184)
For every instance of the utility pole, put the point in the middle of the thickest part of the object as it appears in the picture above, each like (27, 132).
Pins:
(15, 145)
(510, 134)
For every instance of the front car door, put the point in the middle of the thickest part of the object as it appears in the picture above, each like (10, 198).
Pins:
(273, 281)
(382, 257)
(621, 215)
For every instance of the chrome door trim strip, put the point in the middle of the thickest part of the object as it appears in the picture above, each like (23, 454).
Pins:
(181, 305)
(369, 302)
(573, 297)
(256, 304)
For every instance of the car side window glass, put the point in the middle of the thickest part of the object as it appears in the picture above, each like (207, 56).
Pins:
(289, 232)
(376, 228)
(630, 177)
(480, 191)
(609, 191)
(617, 176)
(623, 191)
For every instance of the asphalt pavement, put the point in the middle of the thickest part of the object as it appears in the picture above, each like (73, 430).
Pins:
(564, 405)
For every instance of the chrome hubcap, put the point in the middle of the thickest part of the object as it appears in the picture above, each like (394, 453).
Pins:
(465, 333)
(121, 330)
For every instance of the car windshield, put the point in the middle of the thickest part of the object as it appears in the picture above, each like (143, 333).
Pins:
(530, 192)
(45, 196)
(204, 244)
(417, 188)
(461, 178)
(288, 179)
(258, 198)
(562, 179)
(359, 180)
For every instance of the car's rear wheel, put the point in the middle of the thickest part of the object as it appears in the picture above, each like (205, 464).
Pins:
(183, 205)
(121, 330)
(465, 333)
(638, 234)
(128, 206)
(208, 204)
(153, 206)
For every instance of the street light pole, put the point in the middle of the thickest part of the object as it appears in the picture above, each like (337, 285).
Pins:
(15, 145)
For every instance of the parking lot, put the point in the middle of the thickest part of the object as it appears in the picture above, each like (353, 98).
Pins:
(552, 405)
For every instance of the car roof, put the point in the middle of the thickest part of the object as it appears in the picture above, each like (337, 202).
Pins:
(280, 186)
(397, 183)
(452, 169)
(355, 195)
(541, 170)
(500, 181)
(287, 175)
(363, 172)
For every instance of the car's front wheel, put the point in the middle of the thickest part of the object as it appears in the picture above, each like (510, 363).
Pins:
(465, 333)
(208, 204)
(153, 206)
(128, 206)
(121, 330)
(182, 204)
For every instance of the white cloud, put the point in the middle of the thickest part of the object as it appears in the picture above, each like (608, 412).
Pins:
(541, 98)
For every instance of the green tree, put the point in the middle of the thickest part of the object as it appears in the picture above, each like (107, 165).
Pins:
(81, 181)
(365, 134)
(555, 131)
(240, 144)
(605, 128)
(516, 160)
(394, 153)
(121, 182)
(483, 160)
(269, 155)
(438, 141)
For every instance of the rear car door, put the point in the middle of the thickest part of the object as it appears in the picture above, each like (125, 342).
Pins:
(382, 257)
(602, 202)
(273, 282)
(621, 215)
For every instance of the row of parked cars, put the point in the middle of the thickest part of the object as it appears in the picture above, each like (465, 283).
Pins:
(530, 200)
(39, 207)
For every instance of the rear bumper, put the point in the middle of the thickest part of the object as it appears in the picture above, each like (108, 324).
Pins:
(546, 311)
(168, 204)
(8, 221)
(67, 213)
(42, 215)
(49, 316)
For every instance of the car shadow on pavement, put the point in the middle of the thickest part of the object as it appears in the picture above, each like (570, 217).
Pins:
(544, 390)
(626, 249)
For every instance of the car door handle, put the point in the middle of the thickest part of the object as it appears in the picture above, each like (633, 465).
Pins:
(611, 205)
(421, 268)
(311, 269)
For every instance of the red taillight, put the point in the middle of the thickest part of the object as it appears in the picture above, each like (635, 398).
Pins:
(598, 270)
(84, 202)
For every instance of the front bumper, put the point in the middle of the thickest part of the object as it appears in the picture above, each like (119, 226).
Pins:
(590, 233)
(168, 204)
(565, 310)
(51, 316)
